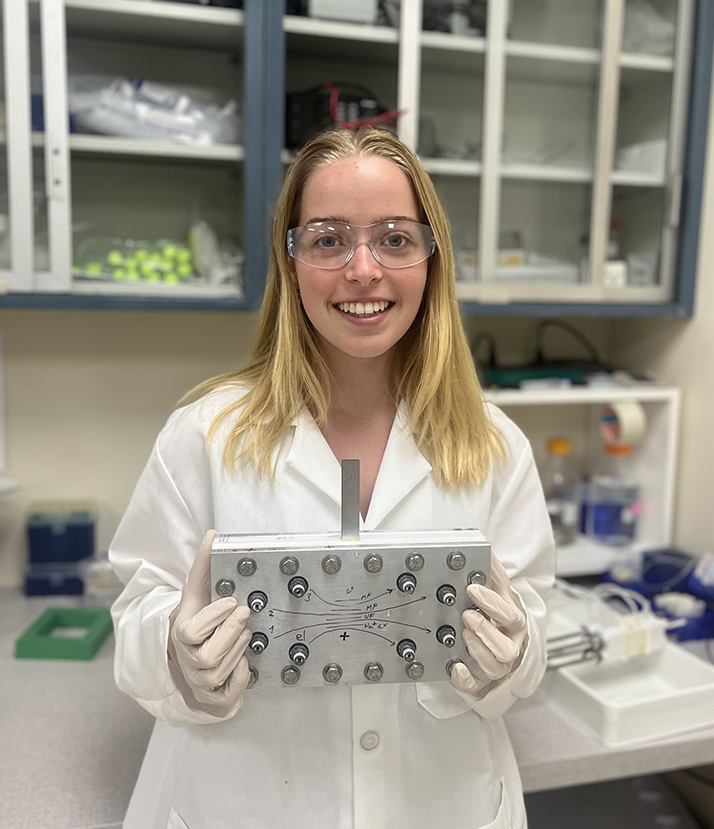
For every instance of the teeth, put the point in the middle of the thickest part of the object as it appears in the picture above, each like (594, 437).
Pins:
(360, 310)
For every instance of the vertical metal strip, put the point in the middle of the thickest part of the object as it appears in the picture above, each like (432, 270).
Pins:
(350, 500)
(57, 177)
(676, 143)
(16, 48)
(606, 135)
(494, 97)
(409, 88)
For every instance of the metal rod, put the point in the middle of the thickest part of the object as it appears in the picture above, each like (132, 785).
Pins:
(350, 500)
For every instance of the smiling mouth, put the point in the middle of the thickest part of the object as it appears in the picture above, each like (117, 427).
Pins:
(367, 309)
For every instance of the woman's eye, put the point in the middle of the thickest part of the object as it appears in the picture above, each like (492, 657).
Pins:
(326, 241)
(396, 240)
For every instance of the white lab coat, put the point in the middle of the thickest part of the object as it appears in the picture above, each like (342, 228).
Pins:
(300, 759)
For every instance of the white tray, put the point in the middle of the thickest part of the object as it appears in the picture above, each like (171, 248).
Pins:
(645, 698)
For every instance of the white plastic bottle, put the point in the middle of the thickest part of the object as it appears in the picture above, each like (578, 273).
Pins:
(559, 477)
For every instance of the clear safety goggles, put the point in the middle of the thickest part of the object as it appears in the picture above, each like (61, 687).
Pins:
(398, 243)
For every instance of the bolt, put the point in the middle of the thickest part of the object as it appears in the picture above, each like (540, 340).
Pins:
(406, 583)
(332, 673)
(373, 671)
(246, 567)
(225, 587)
(450, 665)
(407, 650)
(331, 564)
(414, 670)
(257, 600)
(254, 676)
(290, 675)
(299, 653)
(446, 594)
(289, 566)
(414, 562)
(456, 560)
(477, 577)
(298, 587)
(446, 635)
(373, 563)
(258, 642)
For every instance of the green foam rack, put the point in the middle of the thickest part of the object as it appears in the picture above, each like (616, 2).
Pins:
(44, 639)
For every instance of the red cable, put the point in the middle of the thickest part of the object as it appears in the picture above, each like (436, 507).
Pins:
(359, 122)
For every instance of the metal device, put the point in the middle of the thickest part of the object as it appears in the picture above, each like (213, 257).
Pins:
(349, 608)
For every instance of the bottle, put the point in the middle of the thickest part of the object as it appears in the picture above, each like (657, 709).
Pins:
(612, 500)
(560, 485)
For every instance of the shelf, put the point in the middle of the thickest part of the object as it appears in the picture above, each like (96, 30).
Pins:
(451, 167)
(636, 178)
(647, 63)
(548, 52)
(153, 21)
(585, 557)
(336, 41)
(154, 289)
(583, 395)
(547, 172)
(452, 53)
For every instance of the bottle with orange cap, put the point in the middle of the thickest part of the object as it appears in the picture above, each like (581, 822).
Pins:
(559, 476)
(611, 503)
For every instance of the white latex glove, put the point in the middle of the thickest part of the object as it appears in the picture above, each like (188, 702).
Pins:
(207, 641)
(495, 640)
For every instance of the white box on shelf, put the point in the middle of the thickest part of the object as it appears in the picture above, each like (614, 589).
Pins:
(645, 698)
(354, 11)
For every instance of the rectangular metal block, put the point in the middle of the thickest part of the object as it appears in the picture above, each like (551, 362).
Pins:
(383, 601)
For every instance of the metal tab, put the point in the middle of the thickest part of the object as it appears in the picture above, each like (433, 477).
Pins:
(350, 500)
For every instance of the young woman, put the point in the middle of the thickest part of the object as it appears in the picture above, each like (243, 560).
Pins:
(360, 354)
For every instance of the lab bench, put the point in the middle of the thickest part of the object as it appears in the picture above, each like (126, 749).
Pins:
(72, 744)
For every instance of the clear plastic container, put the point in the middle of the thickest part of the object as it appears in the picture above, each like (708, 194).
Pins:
(611, 500)
(559, 477)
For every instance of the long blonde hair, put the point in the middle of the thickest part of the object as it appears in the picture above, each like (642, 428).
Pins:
(432, 369)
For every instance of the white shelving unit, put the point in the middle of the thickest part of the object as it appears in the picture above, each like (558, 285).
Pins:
(575, 413)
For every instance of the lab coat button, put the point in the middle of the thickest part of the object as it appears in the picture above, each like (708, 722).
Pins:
(369, 740)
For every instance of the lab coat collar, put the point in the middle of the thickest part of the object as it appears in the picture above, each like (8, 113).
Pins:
(402, 468)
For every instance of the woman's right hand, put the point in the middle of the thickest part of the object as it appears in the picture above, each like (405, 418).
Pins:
(207, 641)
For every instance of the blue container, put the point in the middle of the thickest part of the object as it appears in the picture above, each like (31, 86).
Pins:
(58, 532)
(53, 580)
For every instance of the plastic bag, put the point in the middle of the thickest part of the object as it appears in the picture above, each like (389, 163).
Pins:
(141, 109)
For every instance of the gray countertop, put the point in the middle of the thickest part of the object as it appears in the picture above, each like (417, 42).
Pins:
(71, 744)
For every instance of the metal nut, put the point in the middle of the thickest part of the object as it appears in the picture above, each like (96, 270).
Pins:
(414, 562)
(331, 564)
(450, 665)
(247, 566)
(414, 670)
(290, 675)
(477, 577)
(332, 673)
(225, 587)
(289, 565)
(373, 671)
(456, 560)
(373, 563)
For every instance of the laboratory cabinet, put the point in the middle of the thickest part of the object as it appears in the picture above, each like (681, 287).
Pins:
(566, 139)
(577, 414)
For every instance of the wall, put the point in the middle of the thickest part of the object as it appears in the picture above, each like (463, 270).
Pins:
(88, 391)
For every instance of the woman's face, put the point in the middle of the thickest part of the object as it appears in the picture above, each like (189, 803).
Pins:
(360, 191)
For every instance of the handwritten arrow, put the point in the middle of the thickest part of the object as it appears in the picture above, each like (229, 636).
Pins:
(357, 630)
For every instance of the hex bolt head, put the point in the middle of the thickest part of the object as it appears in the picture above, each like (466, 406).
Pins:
(247, 566)
(258, 642)
(225, 587)
(254, 676)
(298, 587)
(332, 673)
(446, 635)
(414, 562)
(450, 665)
(373, 563)
(406, 583)
(289, 565)
(331, 564)
(414, 670)
(373, 671)
(456, 560)
(299, 653)
(477, 577)
(257, 600)
(446, 594)
(290, 675)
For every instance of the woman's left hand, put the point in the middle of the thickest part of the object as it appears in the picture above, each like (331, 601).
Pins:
(495, 632)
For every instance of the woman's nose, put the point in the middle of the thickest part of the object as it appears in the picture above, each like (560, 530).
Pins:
(363, 266)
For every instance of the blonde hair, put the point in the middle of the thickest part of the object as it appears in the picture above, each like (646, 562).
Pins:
(432, 369)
